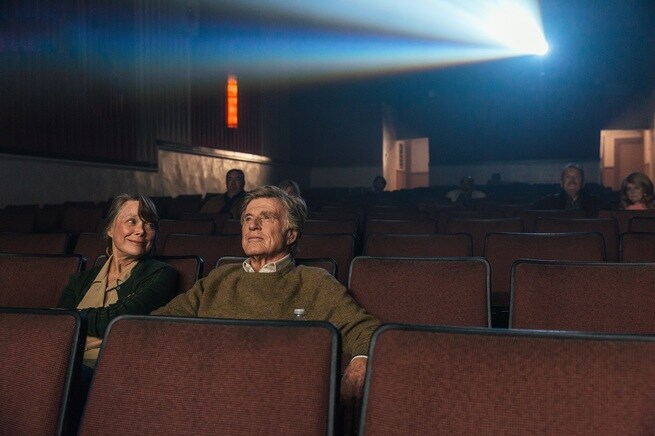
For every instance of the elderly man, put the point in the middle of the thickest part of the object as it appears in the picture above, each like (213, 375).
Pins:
(230, 202)
(466, 192)
(268, 285)
(572, 197)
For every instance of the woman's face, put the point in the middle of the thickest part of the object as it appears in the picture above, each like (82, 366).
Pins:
(131, 237)
(634, 192)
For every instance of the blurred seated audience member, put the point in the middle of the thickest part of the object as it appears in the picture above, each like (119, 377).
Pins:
(637, 192)
(379, 183)
(290, 187)
(231, 201)
(269, 285)
(572, 197)
(494, 180)
(466, 192)
(130, 282)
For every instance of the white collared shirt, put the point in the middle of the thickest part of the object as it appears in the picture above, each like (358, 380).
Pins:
(269, 267)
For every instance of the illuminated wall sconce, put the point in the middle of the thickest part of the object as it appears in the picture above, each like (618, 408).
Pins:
(232, 108)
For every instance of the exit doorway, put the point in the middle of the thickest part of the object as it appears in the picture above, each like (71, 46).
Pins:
(408, 164)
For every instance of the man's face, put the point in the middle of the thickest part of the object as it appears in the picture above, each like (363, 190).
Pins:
(572, 181)
(265, 231)
(234, 182)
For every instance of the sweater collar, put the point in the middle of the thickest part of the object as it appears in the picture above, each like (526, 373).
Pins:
(269, 267)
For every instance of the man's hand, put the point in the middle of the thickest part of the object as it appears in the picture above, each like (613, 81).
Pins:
(352, 384)
(352, 390)
(92, 342)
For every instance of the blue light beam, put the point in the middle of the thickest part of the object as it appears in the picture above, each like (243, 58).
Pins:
(308, 39)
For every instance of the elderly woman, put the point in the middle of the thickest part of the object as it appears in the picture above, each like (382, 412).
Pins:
(130, 281)
(637, 192)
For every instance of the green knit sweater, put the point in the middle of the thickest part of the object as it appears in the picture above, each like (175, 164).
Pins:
(232, 293)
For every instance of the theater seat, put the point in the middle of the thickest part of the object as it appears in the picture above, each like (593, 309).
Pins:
(161, 375)
(637, 247)
(37, 281)
(34, 243)
(502, 249)
(210, 248)
(40, 357)
(340, 247)
(608, 227)
(583, 296)
(435, 245)
(443, 291)
(435, 380)
(481, 227)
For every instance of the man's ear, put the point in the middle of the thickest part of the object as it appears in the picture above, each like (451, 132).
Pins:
(292, 236)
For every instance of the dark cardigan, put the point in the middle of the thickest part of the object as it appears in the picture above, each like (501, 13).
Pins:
(151, 284)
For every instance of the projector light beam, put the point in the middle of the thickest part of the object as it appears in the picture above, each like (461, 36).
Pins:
(311, 39)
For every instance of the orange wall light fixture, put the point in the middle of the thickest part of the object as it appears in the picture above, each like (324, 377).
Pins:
(232, 107)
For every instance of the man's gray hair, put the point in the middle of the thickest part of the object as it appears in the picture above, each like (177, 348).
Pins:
(294, 207)
(573, 165)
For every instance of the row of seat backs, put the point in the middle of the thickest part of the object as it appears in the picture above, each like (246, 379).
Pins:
(443, 214)
(77, 217)
(90, 220)
(94, 245)
(552, 295)
(32, 280)
(438, 380)
(479, 228)
(211, 375)
(501, 250)
(281, 377)
(642, 219)
(340, 247)
(39, 280)
(91, 245)
(44, 289)
(63, 218)
(589, 296)
(633, 247)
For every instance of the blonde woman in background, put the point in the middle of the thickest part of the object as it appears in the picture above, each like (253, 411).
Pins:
(637, 192)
